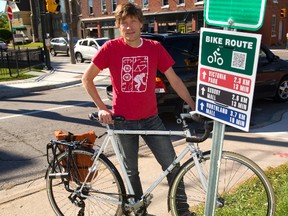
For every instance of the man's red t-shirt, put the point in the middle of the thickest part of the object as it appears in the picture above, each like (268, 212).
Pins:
(133, 72)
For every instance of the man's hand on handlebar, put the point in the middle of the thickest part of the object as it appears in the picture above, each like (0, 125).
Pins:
(105, 116)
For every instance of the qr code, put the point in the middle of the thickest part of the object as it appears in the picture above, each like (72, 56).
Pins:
(238, 60)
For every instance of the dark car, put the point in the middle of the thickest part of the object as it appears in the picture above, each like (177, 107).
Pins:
(60, 45)
(3, 46)
(271, 79)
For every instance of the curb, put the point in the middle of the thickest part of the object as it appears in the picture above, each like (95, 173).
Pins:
(6, 93)
(22, 190)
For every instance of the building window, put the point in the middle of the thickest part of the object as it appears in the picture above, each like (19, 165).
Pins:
(273, 31)
(145, 4)
(114, 5)
(165, 2)
(90, 5)
(199, 2)
(103, 5)
(275, 1)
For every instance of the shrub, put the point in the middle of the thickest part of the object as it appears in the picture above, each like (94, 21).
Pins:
(6, 35)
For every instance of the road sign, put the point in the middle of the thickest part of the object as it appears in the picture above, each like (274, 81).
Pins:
(243, 14)
(226, 76)
(9, 13)
(65, 27)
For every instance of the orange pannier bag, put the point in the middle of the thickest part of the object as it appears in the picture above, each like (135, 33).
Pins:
(83, 162)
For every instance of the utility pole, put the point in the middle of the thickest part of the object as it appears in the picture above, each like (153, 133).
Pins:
(67, 27)
(44, 32)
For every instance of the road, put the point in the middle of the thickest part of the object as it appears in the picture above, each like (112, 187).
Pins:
(27, 124)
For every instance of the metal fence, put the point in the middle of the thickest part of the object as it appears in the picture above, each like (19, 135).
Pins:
(13, 62)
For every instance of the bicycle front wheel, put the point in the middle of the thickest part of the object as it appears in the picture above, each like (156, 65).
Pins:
(243, 188)
(101, 195)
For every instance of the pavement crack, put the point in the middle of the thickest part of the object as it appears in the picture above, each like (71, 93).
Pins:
(21, 140)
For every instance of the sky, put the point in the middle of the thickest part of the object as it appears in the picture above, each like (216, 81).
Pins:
(2, 6)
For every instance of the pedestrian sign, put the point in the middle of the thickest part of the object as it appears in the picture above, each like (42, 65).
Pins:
(226, 76)
(243, 14)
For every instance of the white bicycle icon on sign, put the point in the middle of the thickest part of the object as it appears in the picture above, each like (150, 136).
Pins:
(215, 58)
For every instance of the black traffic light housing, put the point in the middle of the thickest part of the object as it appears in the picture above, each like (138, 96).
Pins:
(283, 12)
(53, 6)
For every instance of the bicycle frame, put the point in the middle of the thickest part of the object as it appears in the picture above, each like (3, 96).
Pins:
(111, 138)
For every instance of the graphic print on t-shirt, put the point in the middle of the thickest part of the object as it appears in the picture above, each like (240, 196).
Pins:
(134, 74)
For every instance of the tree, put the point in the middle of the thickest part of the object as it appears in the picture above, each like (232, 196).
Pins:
(5, 35)
(4, 23)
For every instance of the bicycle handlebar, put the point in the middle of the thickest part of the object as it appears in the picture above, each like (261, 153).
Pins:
(94, 117)
(208, 126)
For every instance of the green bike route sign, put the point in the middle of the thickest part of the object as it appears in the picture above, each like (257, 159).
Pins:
(239, 14)
(226, 76)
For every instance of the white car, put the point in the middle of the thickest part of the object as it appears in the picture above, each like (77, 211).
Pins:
(85, 49)
(3, 46)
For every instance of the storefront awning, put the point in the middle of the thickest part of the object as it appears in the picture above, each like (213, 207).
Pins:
(19, 28)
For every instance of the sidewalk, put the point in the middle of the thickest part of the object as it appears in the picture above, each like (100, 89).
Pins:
(61, 76)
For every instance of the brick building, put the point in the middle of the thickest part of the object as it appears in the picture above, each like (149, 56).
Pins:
(275, 28)
(160, 16)
(97, 18)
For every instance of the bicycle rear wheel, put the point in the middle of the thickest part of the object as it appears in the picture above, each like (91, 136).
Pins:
(243, 188)
(103, 191)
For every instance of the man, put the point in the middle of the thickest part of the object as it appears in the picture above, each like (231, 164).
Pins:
(133, 62)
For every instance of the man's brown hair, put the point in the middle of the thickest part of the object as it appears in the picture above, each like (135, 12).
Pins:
(127, 9)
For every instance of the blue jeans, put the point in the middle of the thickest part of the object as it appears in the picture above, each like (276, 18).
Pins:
(161, 147)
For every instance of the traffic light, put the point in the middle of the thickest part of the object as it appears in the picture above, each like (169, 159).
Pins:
(283, 12)
(53, 6)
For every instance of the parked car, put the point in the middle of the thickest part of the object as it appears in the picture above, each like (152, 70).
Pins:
(271, 78)
(3, 46)
(60, 45)
(85, 49)
(19, 39)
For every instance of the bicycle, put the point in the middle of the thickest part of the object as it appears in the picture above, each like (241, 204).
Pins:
(99, 189)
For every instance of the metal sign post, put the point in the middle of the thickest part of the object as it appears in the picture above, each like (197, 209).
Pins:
(226, 79)
(226, 75)
(213, 178)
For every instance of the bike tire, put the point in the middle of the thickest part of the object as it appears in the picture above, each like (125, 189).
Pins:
(243, 188)
(105, 189)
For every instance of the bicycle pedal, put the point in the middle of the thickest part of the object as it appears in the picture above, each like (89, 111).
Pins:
(58, 175)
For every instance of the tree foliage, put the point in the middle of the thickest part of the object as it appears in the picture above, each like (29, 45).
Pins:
(4, 23)
(5, 35)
